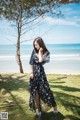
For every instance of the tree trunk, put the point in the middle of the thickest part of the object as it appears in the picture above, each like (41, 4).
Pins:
(18, 55)
(19, 23)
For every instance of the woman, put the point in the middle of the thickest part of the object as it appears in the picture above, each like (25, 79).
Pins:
(39, 86)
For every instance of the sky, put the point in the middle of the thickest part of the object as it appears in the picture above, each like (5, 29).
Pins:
(54, 30)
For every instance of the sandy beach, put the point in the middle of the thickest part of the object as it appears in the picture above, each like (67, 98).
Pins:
(55, 67)
(64, 59)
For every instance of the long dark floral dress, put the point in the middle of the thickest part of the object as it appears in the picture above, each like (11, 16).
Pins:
(40, 82)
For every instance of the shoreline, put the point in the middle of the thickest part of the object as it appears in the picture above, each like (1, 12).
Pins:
(45, 72)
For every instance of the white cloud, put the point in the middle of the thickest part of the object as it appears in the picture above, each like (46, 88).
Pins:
(59, 21)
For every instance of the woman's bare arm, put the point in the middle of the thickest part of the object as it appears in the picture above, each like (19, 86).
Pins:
(31, 72)
(31, 68)
(40, 55)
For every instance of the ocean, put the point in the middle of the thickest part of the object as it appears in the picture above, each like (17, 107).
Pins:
(64, 58)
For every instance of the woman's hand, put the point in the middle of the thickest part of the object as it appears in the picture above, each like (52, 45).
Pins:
(41, 50)
(31, 75)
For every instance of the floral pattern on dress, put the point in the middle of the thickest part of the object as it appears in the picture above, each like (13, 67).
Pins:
(40, 82)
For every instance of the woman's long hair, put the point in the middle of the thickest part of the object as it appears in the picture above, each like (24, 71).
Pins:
(41, 44)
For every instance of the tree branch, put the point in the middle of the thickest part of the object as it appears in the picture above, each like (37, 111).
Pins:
(31, 20)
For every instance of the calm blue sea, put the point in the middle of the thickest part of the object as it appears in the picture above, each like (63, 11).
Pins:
(55, 49)
(65, 58)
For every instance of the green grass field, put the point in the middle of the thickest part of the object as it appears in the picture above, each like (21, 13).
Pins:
(15, 87)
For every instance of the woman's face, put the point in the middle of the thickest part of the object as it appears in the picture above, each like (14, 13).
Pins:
(36, 45)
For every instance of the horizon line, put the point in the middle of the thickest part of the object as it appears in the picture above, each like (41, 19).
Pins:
(45, 43)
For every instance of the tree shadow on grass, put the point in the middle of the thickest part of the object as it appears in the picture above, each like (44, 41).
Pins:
(61, 77)
(66, 88)
(50, 116)
(53, 79)
(11, 84)
(70, 102)
(57, 82)
(16, 108)
(72, 117)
